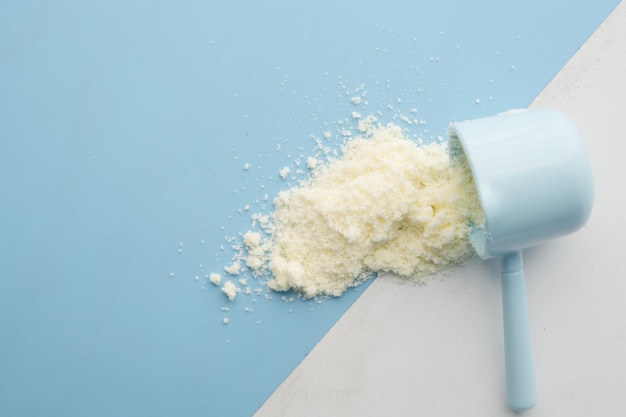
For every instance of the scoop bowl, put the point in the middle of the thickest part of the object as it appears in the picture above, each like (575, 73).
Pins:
(533, 179)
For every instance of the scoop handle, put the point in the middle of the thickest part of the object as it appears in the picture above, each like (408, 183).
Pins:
(520, 377)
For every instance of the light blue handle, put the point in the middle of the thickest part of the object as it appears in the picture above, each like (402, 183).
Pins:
(520, 377)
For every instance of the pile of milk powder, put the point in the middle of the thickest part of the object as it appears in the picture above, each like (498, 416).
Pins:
(384, 203)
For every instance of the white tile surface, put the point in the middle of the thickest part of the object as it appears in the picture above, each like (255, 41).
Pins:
(436, 350)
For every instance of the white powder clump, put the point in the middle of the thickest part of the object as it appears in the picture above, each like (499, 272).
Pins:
(230, 290)
(284, 172)
(256, 251)
(387, 205)
(367, 124)
(216, 279)
(234, 268)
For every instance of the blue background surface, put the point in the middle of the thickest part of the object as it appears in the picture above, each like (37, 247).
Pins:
(124, 127)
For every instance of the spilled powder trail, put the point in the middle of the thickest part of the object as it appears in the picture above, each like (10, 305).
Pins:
(385, 205)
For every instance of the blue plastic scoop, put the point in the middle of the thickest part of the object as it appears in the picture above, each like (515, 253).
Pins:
(534, 182)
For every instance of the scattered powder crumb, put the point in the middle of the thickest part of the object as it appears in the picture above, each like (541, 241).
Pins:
(345, 133)
(366, 124)
(311, 162)
(284, 172)
(327, 135)
(356, 115)
(225, 320)
(262, 220)
(356, 100)
(246, 166)
(234, 268)
(216, 279)
(230, 290)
